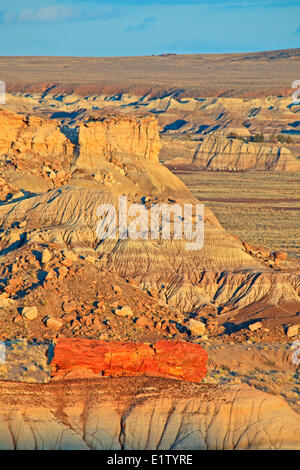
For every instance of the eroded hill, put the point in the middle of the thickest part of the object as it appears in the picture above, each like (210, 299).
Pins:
(100, 163)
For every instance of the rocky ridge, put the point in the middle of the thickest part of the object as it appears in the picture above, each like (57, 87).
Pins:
(177, 116)
(219, 153)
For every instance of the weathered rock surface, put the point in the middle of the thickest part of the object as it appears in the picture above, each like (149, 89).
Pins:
(219, 153)
(21, 134)
(109, 136)
(221, 272)
(169, 359)
(216, 152)
(143, 413)
(196, 327)
(179, 111)
(30, 313)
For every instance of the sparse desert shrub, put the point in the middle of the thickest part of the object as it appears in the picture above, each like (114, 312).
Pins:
(284, 139)
(257, 138)
(233, 135)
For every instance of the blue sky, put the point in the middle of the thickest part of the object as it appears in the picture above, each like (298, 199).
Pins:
(144, 27)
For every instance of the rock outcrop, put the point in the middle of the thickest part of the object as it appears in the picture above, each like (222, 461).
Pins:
(115, 135)
(219, 153)
(23, 135)
(169, 359)
(177, 116)
(136, 413)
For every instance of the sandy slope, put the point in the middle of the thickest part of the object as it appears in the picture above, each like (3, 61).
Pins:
(143, 413)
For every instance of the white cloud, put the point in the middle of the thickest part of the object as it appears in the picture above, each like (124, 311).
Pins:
(60, 13)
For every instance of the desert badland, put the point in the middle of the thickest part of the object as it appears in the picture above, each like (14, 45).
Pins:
(137, 344)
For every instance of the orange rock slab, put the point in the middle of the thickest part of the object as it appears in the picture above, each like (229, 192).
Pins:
(169, 359)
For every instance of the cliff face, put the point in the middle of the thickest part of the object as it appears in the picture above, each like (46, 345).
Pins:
(20, 135)
(117, 135)
(219, 153)
(143, 413)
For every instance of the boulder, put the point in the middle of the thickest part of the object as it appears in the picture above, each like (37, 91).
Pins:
(30, 313)
(46, 256)
(5, 301)
(69, 255)
(292, 331)
(54, 323)
(123, 311)
(255, 326)
(196, 327)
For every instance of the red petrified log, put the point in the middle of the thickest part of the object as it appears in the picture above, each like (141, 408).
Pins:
(170, 359)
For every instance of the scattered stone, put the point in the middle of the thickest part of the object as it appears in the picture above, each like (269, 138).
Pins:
(45, 256)
(172, 329)
(90, 259)
(70, 316)
(62, 272)
(196, 327)
(54, 323)
(50, 274)
(46, 169)
(255, 326)
(69, 306)
(103, 337)
(292, 331)
(88, 321)
(205, 338)
(67, 262)
(96, 323)
(280, 255)
(70, 255)
(5, 301)
(123, 312)
(117, 289)
(30, 313)
(18, 319)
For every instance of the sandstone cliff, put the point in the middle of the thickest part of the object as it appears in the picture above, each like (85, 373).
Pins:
(21, 134)
(219, 153)
(143, 413)
(110, 136)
